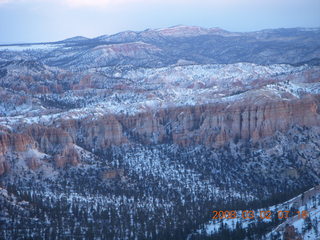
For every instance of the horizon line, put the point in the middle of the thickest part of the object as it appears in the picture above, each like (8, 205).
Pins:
(152, 29)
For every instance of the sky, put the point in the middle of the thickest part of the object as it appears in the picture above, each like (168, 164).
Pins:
(53, 20)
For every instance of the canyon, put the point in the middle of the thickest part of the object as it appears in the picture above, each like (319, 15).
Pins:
(181, 119)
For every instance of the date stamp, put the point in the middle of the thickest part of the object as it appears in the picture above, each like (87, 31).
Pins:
(250, 214)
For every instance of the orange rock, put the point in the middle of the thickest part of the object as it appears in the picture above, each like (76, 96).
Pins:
(4, 166)
(68, 155)
(33, 163)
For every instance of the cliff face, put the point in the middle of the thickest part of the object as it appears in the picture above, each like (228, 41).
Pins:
(180, 115)
(4, 166)
(209, 125)
(53, 142)
(51, 114)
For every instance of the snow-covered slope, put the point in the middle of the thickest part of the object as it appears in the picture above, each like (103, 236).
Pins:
(141, 135)
(186, 43)
(298, 218)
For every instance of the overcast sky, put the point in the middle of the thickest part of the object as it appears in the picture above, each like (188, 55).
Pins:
(51, 20)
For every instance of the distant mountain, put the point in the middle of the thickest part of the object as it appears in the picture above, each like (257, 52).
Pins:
(75, 39)
(195, 44)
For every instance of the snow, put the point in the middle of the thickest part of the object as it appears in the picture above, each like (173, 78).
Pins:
(25, 47)
(309, 205)
(154, 88)
(294, 89)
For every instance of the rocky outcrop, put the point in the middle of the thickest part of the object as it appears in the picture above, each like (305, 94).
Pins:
(52, 141)
(49, 139)
(96, 134)
(4, 166)
(15, 142)
(113, 174)
(210, 125)
(33, 163)
(207, 124)
(69, 155)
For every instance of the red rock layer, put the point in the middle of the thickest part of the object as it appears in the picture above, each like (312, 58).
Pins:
(49, 140)
(210, 125)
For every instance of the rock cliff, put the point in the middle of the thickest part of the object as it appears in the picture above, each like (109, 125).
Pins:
(209, 125)
(141, 88)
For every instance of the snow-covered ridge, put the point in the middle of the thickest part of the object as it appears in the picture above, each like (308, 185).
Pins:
(149, 89)
(164, 47)
(160, 125)
(307, 203)
(25, 47)
(214, 72)
(187, 31)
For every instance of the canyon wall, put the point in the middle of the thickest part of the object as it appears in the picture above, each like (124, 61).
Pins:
(209, 125)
